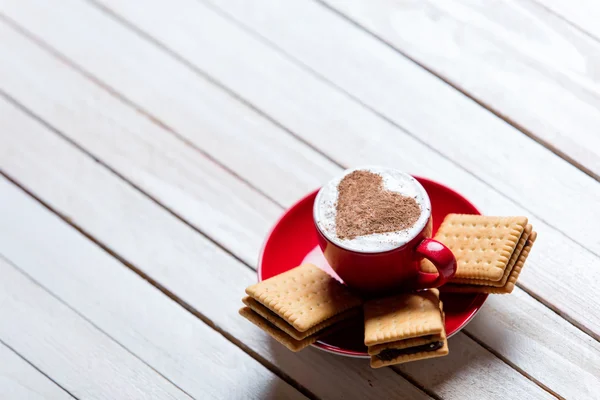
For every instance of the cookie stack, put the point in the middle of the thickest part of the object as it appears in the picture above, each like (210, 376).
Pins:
(404, 328)
(304, 304)
(489, 251)
(300, 306)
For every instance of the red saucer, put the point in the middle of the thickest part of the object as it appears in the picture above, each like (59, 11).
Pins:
(293, 240)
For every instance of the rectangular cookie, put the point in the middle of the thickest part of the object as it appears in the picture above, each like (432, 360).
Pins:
(511, 281)
(483, 245)
(404, 328)
(299, 306)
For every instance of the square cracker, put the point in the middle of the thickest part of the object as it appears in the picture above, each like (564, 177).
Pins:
(304, 296)
(509, 267)
(481, 244)
(276, 320)
(403, 316)
(277, 334)
(510, 283)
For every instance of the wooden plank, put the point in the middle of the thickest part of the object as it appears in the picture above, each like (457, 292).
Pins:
(517, 357)
(518, 58)
(187, 264)
(64, 346)
(463, 366)
(334, 119)
(538, 341)
(145, 325)
(20, 380)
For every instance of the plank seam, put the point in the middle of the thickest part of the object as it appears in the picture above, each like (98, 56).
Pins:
(567, 21)
(31, 363)
(83, 317)
(562, 315)
(514, 366)
(409, 378)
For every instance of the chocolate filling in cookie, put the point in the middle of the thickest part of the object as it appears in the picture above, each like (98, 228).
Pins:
(390, 354)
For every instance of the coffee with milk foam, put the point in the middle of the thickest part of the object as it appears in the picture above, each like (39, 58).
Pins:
(326, 208)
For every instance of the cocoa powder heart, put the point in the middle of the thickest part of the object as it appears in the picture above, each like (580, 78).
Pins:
(365, 207)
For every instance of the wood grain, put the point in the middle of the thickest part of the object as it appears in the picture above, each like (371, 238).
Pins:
(521, 351)
(20, 380)
(129, 309)
(463, 366)
(432, 111)
(197, 279)
(200, 111)
(516, 305)
(334, 119)
(186, 181)
(21, 169)
(342, 53)
(516, 57)
(404, 93)
(538, 341)
(74, 353)
(583, 14)
(201, 274)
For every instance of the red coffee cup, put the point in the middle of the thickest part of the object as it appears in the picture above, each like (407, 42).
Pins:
(394, 266)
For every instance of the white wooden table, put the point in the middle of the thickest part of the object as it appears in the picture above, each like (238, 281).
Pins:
(146, 148)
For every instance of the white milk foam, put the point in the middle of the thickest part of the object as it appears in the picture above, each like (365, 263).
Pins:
(324, 211)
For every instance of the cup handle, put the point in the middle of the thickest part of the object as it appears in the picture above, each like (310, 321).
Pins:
(443, 260)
